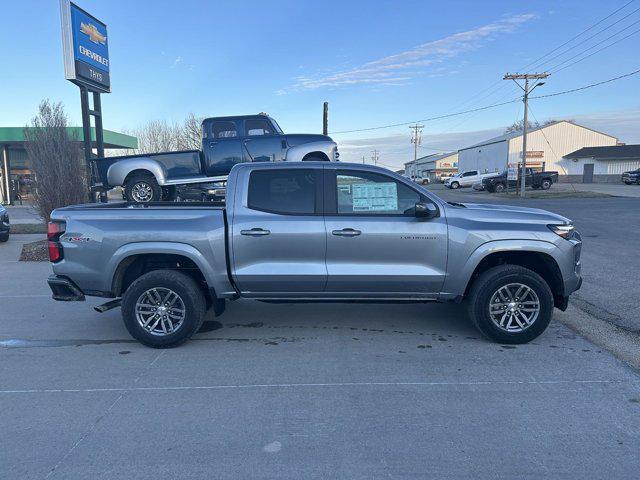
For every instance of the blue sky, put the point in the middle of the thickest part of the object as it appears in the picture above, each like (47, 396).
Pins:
(376, 63)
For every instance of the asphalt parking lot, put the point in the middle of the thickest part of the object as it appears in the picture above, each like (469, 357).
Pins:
(323, 391)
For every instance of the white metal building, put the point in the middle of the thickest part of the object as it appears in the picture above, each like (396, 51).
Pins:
(432, 166)
(546, 147)
(602, 164)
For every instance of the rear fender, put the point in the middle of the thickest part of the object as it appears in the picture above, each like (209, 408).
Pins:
(214, 274)
(118, 172)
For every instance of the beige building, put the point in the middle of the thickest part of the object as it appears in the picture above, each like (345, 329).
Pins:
(546, 147)
(432, 166)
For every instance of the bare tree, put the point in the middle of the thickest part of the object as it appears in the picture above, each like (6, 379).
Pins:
(519, 126)
(191, 133)
(56, 160)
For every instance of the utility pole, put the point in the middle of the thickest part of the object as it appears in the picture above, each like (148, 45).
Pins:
(375, 157)
(526, 77)
(363, 159)
(416, 139)
(325, 118)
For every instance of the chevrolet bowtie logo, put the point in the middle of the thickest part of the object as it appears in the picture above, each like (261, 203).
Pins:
(92, 32)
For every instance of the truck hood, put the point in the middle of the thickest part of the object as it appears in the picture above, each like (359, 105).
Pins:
(295, 139)
(513, 212)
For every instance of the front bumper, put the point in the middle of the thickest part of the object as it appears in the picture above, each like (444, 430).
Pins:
(64, 290)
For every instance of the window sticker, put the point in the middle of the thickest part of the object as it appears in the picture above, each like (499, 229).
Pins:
(375, 197)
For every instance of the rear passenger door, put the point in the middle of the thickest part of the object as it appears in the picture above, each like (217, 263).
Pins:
(278, 233)
(469, 178)
(222, 148)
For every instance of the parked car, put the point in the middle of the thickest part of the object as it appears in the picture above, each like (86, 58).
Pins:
(466, 179)
(444, 176)
(203, 192)
(535, 180)
(225, 142)
(631, 177)
(304, 232)
(4, 224)
(422, 180)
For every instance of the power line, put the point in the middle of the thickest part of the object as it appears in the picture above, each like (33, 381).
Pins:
(635, 72)
(430, 119)
(582, 33)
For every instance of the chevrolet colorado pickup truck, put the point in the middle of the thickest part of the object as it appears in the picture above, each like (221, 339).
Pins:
(535, 180)
(225, 142)
(315, 232)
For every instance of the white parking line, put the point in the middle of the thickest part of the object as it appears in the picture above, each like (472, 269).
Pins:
(311, 385)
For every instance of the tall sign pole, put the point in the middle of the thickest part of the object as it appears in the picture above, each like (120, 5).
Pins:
(325, 118)
(86, 64)
(525, 98)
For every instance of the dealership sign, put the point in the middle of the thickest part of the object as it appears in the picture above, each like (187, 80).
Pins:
(85, 47)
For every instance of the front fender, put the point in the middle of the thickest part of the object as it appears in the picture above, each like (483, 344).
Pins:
(297, 153)
(117, 173)
(215, 275)
(459, 275)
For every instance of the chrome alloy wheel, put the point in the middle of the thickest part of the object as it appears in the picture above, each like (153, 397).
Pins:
(160, 311)
(514, 307)
(142, 192)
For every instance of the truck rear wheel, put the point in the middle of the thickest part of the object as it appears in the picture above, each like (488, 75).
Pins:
(546, 184)
(510, 304)
(142, 189)
(163, 308)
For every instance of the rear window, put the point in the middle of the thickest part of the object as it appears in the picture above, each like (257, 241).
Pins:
(225, 129)
(287, 192)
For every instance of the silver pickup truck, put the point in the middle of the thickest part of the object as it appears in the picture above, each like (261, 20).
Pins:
(314, 232)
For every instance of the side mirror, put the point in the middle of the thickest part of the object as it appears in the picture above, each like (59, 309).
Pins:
(426, 210)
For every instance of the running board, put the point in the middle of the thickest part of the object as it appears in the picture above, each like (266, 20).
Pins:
(108, 306)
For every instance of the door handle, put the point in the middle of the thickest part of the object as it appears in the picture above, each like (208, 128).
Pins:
(255, 232)
(346, 232)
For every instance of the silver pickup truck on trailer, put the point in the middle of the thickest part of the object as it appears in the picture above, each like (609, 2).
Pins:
(315, 231)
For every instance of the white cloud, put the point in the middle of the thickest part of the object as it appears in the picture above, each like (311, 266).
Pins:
(177, 61)
(400, 68)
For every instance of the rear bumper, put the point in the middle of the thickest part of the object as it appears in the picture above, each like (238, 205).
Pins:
(64, 290)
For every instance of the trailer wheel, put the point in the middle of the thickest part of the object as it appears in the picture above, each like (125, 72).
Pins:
(142, 188)
(163, 308)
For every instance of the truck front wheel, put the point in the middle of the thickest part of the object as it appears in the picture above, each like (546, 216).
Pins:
(142, 189)
(510, 304)
(499, 188)
(163, 308)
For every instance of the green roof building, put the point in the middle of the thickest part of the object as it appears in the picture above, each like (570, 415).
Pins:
(14, 162)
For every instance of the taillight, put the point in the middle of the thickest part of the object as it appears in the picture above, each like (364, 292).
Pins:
(54, 231)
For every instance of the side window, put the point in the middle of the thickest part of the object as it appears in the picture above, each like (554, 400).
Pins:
(258, 126)
(224, 129)
(288, 192)
(470, 174)
(373, 193)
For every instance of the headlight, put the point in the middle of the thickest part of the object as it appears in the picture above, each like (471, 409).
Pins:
(565, 231)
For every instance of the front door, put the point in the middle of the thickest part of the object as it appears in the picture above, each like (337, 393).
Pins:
(261, 142)
(375, 244)
(587, 173)
(278, 234)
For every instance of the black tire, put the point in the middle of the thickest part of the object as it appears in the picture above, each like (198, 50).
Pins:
(455, 185)
(142, 180)
(499, 188)
(4, 237)
(488, 283)
(189, 293)
(546, 184)
(169, 194)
